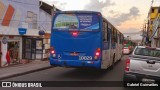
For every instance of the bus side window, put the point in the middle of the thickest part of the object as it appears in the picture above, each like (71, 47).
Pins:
(120, 38)
(109, 31)
(113, 36)
(108, 34)
(116, 36)
(103, 31)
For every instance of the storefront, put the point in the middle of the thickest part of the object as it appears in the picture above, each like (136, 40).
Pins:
(21, 38)
(10, 50)
(35, 48)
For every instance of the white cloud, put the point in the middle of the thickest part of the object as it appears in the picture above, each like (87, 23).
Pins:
(68, 4)
(121, 18)
(95, 5)
(129, 14)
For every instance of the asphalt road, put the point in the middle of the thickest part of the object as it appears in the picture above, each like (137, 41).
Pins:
(73, 74)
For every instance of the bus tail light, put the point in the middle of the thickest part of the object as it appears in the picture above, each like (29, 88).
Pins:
(75, 34)
(127, 65)
(52, 51)
(97, 53)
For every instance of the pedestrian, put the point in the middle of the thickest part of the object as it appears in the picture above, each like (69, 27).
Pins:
(8, 58)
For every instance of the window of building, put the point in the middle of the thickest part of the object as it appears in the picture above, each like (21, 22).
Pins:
(151, 22)
(32, 20)
(29, 14)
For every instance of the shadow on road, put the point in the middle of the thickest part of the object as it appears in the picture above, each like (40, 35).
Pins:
(86, 74)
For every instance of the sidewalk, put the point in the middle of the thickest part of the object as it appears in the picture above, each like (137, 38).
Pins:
(20, 69)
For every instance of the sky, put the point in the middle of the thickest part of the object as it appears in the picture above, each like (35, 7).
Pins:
(128, 16)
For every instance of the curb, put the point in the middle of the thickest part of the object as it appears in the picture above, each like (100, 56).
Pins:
(25, 72)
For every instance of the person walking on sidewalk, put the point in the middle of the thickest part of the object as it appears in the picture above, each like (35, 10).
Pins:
(8, 58)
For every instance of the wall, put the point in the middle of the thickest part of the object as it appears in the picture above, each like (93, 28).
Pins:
(45, 21)
(18, 14)
(15, 14)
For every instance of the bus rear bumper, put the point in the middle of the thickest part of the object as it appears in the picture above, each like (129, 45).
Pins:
(76, 63)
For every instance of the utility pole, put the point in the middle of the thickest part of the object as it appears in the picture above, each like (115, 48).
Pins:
(53, 10)
(152, 2)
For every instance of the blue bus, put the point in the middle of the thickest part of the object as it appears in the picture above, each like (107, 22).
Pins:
(84, 39)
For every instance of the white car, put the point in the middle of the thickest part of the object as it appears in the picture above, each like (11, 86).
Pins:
(143, 65)
(126, 50)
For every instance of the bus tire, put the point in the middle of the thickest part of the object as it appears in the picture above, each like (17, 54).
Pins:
(113, 62)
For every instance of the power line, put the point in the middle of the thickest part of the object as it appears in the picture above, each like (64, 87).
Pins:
(24, 3)
(133, 33)
(23, 20)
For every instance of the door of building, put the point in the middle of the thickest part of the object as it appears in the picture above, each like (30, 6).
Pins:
(32, 48)
(13, 48)
(39, 48)
(27, 54)
(0, 54)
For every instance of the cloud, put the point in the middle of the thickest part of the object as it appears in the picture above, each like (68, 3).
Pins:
(96, 5)
(62, 5)
(130, 30)
(133, 33)
(50, 2)
(133, 13)
(112, 12)
(134, 36)
(56, 3)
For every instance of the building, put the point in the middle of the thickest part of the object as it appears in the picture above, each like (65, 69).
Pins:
(154, 25)
(40, 46)
(20, 23)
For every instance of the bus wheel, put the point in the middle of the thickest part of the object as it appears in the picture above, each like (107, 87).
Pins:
(113, 62)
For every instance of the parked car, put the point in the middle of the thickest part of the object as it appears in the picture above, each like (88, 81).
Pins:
(143, 65)
(126, 50)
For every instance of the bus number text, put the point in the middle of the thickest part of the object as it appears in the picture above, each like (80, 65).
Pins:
(85, 57)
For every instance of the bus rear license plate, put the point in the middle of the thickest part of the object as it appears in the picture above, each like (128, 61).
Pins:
(85, 57)
(74, 54)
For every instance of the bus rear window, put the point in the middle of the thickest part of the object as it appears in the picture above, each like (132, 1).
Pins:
(88, 22)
